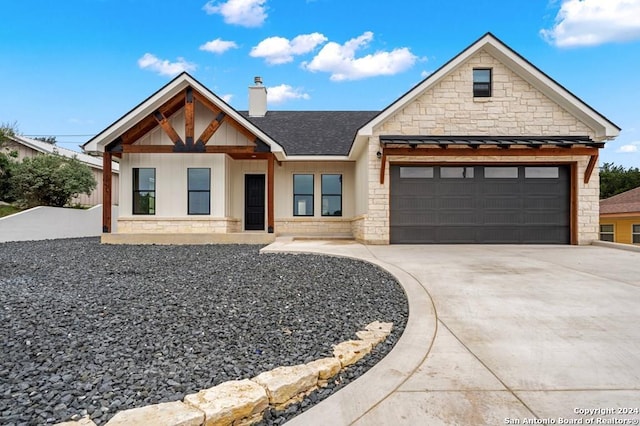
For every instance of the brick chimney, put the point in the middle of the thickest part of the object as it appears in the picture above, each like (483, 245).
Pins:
(257, 98)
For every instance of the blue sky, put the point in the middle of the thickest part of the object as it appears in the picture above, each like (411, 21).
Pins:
(72, 67)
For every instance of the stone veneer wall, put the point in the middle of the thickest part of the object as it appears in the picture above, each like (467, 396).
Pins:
(186, 225)
(314, 226)
(516, 108)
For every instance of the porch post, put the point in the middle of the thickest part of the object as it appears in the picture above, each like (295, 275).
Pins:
(106, 192)
(270, 207)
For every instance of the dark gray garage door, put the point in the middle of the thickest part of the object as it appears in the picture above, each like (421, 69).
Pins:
(480, 204)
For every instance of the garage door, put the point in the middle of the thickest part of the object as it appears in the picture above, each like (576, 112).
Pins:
(480, 204)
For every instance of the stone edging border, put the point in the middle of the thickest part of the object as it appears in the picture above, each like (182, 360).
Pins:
(243, 402)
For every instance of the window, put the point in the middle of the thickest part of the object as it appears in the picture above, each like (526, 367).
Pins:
(456, 172)
(481, 82)
(635, 234)
(303, 195)
(144, 191)
(606, 232)
(331, 195)
(416, 172)
(500, 172)
(541, 173)
(199, 191)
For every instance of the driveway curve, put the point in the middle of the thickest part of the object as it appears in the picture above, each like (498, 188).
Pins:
(522, 335)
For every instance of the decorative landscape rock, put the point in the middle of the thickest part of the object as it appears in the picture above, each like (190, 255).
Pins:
(284, 383)
(166, 414)
(384, 327)
(375, 332)
(326, 367)
(230, 401)
(351, 351)
(85, 421)
(119, 329)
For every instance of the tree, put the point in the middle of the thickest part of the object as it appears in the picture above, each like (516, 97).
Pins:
(48, 139)
(7, 161)
(616, 179)
(50, 180)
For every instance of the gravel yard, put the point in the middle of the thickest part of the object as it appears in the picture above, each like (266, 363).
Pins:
(93, 329)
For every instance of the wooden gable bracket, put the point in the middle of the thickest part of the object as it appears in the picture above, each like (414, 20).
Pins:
(189, 118)
(593, 160)
(178, 144)
(211, 129)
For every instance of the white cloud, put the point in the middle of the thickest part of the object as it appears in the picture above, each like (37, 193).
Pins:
(227, 98)
(283, 93)
(246, 13)
(279, 50)
(218, 46)
(594, 22)
(164, 67)
(629, 148)
(341, 61)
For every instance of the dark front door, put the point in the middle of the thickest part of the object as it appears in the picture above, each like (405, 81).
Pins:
(254, 202)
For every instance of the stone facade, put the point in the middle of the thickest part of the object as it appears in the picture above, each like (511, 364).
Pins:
(516, 108)
(313, 226)
(177, 225)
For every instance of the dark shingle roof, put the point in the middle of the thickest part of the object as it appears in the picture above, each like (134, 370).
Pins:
(626, 202)
(312, 132)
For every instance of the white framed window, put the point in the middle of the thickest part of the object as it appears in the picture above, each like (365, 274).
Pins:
(606, 232)
(635, 233)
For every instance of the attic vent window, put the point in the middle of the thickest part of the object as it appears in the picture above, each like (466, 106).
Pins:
(482, 82)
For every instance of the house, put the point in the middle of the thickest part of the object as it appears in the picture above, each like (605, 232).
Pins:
(487, 149)
(620, 218)
(26, 147)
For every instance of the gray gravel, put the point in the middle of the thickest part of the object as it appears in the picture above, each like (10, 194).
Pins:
(94, 329)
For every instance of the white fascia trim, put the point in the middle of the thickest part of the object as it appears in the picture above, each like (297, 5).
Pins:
(316, 158)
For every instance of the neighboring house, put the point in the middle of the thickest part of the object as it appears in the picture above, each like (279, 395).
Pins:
(620, 218)
(487, 149)
(27, 147)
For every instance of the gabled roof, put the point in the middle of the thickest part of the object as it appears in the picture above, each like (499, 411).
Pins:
(48, 148)
(603, 128)
(625, 202)
(312, 132)
(156, 100)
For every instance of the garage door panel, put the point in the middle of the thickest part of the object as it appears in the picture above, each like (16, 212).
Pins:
(474, 208)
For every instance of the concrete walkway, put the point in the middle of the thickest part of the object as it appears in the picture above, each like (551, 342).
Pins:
(499, 335)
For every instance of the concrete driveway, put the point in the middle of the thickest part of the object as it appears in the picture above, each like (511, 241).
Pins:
(517, 333)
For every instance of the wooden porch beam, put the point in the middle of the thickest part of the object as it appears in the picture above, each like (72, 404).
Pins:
(168, 128)
(270, 194)
(211, 128)
(593, 160)
(189, 116)
(167, 149)
(383, 164)
(106, 192)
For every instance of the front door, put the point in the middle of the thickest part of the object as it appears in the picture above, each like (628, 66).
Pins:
(254, 202)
